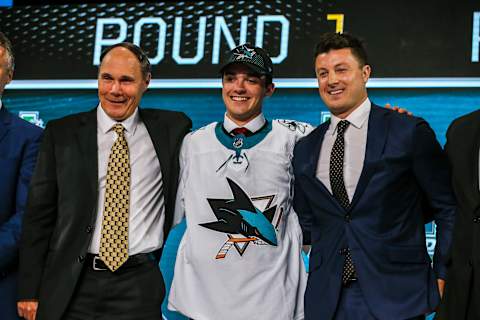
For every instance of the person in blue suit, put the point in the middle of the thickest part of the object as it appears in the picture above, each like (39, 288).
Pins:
(361, 183)
(19, 142)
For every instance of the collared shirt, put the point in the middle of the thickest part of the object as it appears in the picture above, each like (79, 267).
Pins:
(253, 125)
(147, 211)
(355, 146)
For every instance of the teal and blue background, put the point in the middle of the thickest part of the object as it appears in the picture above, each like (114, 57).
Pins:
(438, 106)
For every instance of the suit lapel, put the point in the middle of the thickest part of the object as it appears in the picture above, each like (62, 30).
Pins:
(87, 139)
(376, 137)
(160, 138)
(317, 146)
(4, 122)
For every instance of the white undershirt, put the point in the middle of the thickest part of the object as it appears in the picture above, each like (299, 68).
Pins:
(147, 211)
(355, 146)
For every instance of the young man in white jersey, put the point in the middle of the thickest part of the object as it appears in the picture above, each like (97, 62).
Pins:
(240, 256)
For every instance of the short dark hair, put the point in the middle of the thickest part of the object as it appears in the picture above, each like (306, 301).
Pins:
(7, 45)
(145, 66)
(268, 80)
(334, 41)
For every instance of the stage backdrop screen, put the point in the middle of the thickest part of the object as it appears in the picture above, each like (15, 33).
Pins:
(418, 52)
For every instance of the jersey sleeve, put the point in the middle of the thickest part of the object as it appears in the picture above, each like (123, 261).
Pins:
(179, 212)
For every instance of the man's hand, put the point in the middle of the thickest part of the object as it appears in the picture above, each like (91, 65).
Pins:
(441, 286)
(398, 109)
(27, 309)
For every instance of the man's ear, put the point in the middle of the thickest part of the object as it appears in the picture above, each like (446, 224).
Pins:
(366, 71)
(270, 89)
(147, 80)
(10, 75)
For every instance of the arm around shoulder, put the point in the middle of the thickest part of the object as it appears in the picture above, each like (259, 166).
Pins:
(177, 120)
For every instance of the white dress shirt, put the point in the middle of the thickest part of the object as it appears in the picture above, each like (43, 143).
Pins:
(253, 125)
(355, 146)
(147, 211)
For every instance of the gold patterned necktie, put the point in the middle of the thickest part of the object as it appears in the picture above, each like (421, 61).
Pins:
(114, 238)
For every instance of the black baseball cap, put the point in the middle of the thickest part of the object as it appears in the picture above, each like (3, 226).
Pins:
(255, 58)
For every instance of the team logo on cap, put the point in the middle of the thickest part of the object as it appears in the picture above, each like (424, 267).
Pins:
(244, 52)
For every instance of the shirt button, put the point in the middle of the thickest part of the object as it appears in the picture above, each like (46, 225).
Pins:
(348, 217)
(476, 219)
(89, 229)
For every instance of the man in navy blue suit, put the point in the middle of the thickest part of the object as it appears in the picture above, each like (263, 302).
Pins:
(361, 182)
(18, 150)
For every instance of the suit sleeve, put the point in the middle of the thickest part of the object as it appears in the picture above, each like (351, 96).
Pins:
(450, 135)
(300, 201)
(39, 220)
(10, 230)
(432, 172)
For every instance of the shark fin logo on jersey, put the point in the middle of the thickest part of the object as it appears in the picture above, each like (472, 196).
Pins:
(239, 216)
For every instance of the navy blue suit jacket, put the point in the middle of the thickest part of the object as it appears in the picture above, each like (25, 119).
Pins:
(19, 141)
(404, 166)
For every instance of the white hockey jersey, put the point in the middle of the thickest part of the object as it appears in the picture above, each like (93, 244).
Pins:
(240, 256)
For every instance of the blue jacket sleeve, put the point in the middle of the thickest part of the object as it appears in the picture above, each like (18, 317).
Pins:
(300, 203)
(432, 172)
(10, 230)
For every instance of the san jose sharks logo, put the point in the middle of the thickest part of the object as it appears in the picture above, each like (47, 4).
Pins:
(239, 216)
(244, 52)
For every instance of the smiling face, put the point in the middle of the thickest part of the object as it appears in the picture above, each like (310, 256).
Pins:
(243, 93)
(341, 81)
(6, 72)
(120, 83)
